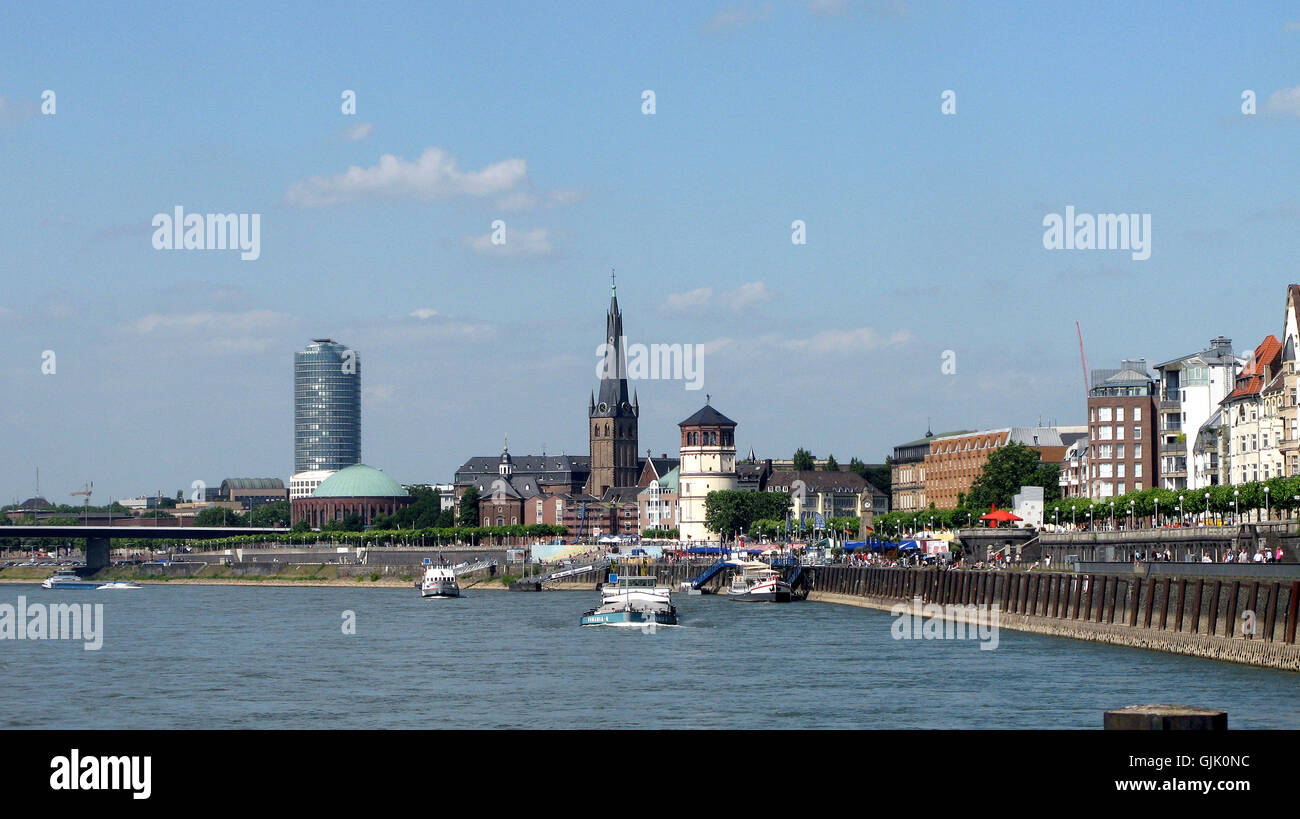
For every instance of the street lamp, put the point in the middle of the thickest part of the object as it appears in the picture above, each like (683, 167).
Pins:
(1073, 510)
(1236, 496)
(1268, 512)
(1157, 500)
(1089, 518)
(1132, 514)
(1112, 516)
(1180, 510)
(1207, 508)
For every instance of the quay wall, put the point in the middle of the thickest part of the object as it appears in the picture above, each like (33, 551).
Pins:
(1197, 616)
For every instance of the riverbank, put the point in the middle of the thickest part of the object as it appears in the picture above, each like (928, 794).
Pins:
(313, 575)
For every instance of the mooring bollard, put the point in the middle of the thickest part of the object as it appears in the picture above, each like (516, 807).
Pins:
(1165, 718)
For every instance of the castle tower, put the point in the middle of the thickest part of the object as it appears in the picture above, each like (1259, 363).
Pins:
(612, 417)
(708, 453)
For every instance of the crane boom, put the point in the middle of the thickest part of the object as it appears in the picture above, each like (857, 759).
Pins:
(1083, 359)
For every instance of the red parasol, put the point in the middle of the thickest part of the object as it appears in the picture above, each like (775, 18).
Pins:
(996, 516)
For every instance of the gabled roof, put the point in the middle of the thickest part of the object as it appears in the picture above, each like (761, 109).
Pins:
(1267, 360)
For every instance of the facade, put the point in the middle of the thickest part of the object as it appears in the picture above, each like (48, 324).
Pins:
(326, 407)
(1122, 440)
(907, 474)
(1074, 469)
(251, 493)
(954, 462)
(659, 503)
(1253, 424)
(841, 494)
(302, 484)
(708, 464)
(1290, 399)
(612, 415)
(359, 489)
(1190, 389)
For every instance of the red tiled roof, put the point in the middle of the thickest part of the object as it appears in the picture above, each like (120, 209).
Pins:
(1267, 358)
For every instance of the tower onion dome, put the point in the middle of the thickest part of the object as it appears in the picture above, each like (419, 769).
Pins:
(359, 481)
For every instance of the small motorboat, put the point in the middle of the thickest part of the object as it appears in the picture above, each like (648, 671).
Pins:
(118, 584)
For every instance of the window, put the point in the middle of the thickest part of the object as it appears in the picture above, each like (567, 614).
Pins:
(1105, 414)
(1107, 451)
(1119, 470)
(1137, 451)
(1119, 413)
(1137, 470)
(1119, 433)
(1137, 413)
(1119, 450)
(1104, 470)
(1137, 433)
(1103, 433)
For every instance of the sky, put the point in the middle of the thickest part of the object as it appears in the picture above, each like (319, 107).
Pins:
(922, 294)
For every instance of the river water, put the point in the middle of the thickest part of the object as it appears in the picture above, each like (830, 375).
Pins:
(258, 657)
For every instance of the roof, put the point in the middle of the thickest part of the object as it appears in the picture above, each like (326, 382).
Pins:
(1218, 353)
(359, 481)
(252, 483)
(819, 480)
(707, 415)
(927, 439)
(1265, 361)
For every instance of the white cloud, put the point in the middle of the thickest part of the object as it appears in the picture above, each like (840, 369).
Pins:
(536, 242)
(705, 298)
(434, 176)
(206, 321)
(860, 339)
(424, 313)
(379, 393)
(1286, 101)
(528, 200)
(737, 16)
(358, 132)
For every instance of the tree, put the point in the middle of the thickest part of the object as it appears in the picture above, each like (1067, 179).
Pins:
(731, 511)
(467, 511)
(1006, 470)
(832, 465)
(803, 460)
(302, 526)
(271, 515)
(218, 516)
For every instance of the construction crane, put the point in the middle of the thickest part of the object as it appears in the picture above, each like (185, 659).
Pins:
(86, 491)
(1083, 359)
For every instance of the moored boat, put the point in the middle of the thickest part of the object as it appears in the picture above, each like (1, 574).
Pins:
(118, 584)
(758, 582)
(632, 601)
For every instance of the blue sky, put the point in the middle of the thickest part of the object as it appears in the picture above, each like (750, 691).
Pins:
(924, 231)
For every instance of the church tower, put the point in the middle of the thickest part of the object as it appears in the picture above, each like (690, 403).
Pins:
(612, 417)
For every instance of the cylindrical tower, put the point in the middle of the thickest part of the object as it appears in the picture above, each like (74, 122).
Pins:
(326, 407)
(708, 453)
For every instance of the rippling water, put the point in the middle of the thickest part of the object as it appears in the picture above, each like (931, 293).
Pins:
(241, 657)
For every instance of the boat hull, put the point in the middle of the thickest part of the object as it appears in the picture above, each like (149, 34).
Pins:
(629, 618)
(67, 585)
(440, 592)
(770, 596)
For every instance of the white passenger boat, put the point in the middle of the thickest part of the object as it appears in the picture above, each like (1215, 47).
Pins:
(758, 582)
(439, 581)
(632, 601)
(118, 584)
(69, 580)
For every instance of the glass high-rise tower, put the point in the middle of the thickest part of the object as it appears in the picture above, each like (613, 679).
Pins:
(326, 406)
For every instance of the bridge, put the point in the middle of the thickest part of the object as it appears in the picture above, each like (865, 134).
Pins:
(98, 538)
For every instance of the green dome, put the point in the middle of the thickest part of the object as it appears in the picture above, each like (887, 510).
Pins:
(359, 481)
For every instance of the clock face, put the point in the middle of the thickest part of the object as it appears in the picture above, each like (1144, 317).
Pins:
(626, 405)
(603, 406)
